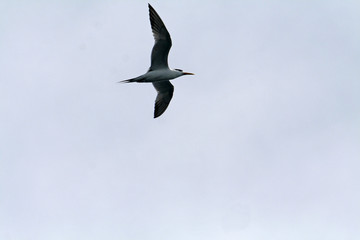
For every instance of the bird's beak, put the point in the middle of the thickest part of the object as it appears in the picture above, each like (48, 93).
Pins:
(187, 73)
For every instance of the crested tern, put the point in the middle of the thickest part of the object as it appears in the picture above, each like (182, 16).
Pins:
(159, 72)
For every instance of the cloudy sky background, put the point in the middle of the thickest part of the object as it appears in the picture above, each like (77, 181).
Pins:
(262, 143)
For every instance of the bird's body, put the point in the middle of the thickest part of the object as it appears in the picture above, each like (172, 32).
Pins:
(159, 73)
(156, 76)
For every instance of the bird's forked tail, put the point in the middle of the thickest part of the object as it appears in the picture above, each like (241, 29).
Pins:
(137, 79)
(128, 80)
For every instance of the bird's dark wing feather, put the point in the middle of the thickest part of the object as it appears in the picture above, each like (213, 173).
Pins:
(165, 92)
(160, 51)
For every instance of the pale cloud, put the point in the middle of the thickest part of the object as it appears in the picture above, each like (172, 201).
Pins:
(261, 143)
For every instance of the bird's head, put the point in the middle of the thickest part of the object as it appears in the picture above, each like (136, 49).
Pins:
(182, 72)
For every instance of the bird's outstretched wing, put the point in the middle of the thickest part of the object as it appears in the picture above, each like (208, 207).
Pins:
(165, 92)
(160, 51)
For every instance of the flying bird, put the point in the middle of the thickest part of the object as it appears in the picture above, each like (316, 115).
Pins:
(159, 72)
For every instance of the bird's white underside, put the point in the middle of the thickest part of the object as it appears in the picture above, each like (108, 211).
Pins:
(161, 75)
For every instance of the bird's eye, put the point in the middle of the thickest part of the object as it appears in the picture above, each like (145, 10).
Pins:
(178, 70)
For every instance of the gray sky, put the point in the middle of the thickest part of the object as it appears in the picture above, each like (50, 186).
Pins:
(262, 143)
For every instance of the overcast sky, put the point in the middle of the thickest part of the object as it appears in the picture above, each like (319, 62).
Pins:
(262, 143)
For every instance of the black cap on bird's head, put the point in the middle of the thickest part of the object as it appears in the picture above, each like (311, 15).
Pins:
(183, 73)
